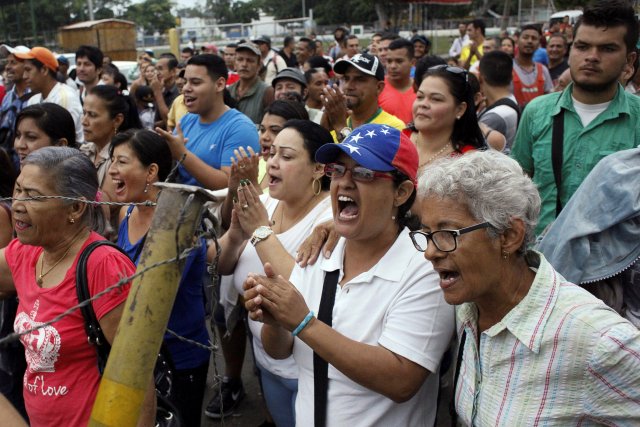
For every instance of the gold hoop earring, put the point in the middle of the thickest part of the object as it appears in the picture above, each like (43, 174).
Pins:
(146, 188)
(318, 190)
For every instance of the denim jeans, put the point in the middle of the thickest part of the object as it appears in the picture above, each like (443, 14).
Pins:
(280, 395)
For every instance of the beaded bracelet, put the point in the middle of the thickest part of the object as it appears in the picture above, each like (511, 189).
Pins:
(303, 324)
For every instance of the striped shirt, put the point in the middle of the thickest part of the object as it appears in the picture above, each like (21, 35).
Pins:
(558, 358)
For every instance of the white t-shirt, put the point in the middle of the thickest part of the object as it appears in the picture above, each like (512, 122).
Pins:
(67, 98)
(588, 112)
(249, 262)
(274, 63)
(399, 305)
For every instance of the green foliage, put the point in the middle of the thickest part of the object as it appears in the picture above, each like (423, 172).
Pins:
(227, 11)
(190, 12)
(104, 13)
(152, 15)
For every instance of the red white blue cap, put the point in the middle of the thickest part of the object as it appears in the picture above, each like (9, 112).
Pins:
(377, 147)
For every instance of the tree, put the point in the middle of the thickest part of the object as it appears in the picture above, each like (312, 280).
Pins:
(228, 11)
(152, 15)
(190, 12)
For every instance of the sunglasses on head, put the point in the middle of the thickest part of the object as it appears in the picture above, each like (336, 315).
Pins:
(453, 70)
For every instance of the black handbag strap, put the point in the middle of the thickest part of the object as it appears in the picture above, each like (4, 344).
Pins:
(557, 141)
(95, 336)
(456, 374)
(320, 366)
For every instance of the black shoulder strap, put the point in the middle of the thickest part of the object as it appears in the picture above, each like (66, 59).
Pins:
(504, 101)
(91, 324)
(320, 366)
(557, 141)
(456, 374)
(26, 96)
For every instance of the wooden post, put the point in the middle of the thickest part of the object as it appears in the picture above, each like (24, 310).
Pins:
(148, 306)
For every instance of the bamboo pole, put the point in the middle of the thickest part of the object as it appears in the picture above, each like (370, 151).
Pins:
(147, 309)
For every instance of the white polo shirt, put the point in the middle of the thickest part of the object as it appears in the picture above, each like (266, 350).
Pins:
(67, 98)
(249, 262)
(399, 305)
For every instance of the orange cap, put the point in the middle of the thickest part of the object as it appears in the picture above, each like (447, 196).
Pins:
(43, 55)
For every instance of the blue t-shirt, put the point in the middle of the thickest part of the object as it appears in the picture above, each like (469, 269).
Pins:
(540, 55)
(188, 315)
(214, 142)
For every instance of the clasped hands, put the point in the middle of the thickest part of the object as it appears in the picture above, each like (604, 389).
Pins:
(273, 300)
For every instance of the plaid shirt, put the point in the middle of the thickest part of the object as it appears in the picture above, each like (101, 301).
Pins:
(559, 358)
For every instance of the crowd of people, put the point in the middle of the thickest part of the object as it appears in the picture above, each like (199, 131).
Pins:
(393, 221)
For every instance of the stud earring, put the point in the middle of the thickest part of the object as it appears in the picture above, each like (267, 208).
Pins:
(72, 221)
(505, 254)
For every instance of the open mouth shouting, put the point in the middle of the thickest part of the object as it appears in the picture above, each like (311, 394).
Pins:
(189, 101)
(120, 186)
(348, 209)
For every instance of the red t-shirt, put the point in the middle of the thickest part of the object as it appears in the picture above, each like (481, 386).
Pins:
(399, 104)
(62, 377)
(233, 77)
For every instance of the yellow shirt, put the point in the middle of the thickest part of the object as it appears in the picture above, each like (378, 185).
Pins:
(464, 54)
(381, 117)
(176, 112)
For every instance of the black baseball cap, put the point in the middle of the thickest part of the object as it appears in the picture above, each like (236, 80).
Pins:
(364, 62)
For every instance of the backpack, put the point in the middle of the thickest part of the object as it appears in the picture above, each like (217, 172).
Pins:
(166, 413)
(504, 101)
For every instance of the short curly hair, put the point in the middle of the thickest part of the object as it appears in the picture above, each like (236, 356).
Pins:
(493, 186)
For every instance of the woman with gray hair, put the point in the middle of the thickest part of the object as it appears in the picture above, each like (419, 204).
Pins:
(62, 377)
(534, 349)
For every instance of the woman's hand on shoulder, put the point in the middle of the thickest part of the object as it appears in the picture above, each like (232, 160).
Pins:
(323, 235)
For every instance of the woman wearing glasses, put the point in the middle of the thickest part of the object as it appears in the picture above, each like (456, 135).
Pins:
(534, 349)
(444, 115)
(371, 355)
(269, 228)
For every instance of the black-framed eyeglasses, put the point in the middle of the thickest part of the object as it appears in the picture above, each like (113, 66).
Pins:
(445, 240)
(358, 173)
(453, 70)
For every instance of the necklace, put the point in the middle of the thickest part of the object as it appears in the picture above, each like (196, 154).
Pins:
(308, 207)
(40, 278)
(444, 148)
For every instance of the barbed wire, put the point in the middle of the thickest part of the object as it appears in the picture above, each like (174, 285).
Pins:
(123, 281)
(174, 171)
(208, 233)
(76, 199)
(209, 347)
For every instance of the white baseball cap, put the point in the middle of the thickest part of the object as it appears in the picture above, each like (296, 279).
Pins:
(7, 50)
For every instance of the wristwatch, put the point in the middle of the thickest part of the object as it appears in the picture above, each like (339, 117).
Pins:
(344, 132)
(260, 234)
